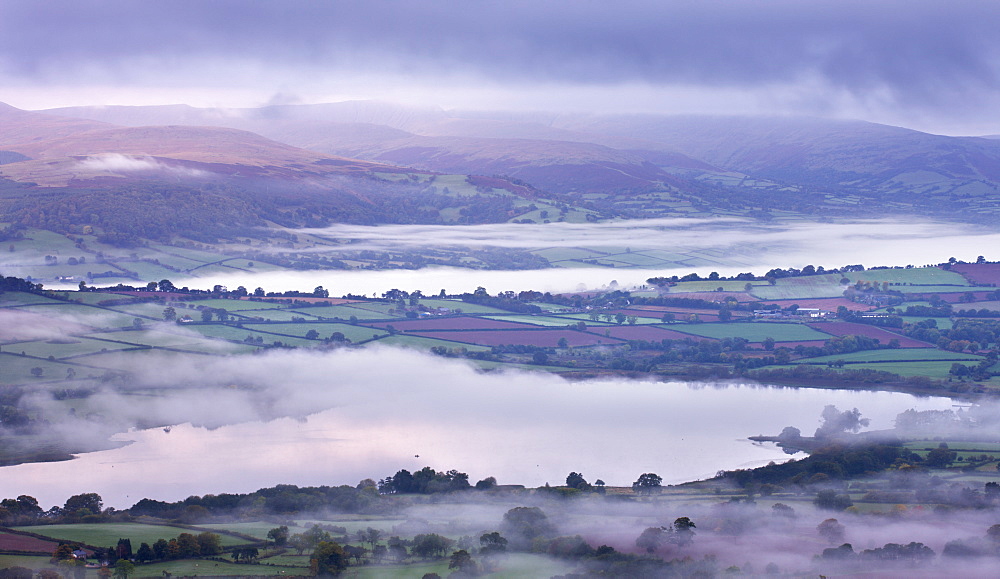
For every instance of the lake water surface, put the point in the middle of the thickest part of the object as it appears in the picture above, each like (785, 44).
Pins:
(522, 429)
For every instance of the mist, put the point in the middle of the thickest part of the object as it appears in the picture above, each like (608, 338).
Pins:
(727, 246)
(307, 417)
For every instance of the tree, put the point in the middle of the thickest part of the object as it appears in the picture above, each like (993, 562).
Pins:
(486, 484)
(89, 502)
(647, 483)
(169, 314)
(941, 456)
(652, 538)
(312, 335)
(492, 544)
(328, 559)
(575, 480)
(160, 549)
(831, 530)
(189, 546)
(62, 552)
(524, 524)
(836, 422)
(279, 535)
(370, 536)
(430, 545)
(540, 358)
(683, 531)
(463, 564)
(209, 543)
(144, 554)
(123, 568)
(37, 372)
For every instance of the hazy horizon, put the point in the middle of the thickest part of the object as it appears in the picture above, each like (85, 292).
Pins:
(920, 65)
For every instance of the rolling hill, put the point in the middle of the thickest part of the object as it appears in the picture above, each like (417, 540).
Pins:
(827, 167)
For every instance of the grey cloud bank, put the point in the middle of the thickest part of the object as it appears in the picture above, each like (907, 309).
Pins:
(931, 63)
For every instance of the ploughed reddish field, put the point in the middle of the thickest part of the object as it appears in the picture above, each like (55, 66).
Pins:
(979, 272)
(544, 338)
(852, 329)
(15, 542)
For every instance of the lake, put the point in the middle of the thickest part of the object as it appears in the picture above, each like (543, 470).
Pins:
(364, 414)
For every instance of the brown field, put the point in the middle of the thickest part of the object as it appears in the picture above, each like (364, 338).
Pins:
(852, 329)
(979, 272)
(15, 542)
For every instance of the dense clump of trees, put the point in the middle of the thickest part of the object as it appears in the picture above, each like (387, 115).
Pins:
(836, 461)
(425, 481)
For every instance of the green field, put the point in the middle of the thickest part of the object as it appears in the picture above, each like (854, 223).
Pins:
(345, 313)
(931, 289)
(898, 355)
(753, 331)
(195, 567)
(351, 332)
(106, 534)
(466, 308)
(275, 315)
(419, 343)
(536, 320)
(234, 305)
(816, 286)
(79, 346)
(15, 369)
(82, 314)
(916, 275)
(929, 369)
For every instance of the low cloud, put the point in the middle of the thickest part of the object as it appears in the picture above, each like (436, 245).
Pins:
(117, 163)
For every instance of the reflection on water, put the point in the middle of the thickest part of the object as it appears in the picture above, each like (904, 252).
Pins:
(612, 430)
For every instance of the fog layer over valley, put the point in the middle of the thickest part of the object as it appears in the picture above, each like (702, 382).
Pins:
(728, 246)
(338, 417)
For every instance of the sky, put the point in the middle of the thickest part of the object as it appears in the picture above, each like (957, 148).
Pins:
(928, 65)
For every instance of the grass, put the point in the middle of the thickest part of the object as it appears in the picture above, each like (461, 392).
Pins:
(753, 331)
(352, 333)
(465, 307)
(815, 286)
(553, 321)
(929, 369)
(918, 289)
(87, 315)
(898, 355)
(15, 369)
(195, 567)
(916, 275)
(21, 298)
(80, 346)
(234, 305)
(106, 534)
(345, 313)
(427, 343)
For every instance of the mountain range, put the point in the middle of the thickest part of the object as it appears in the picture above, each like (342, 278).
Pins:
(357, 161)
